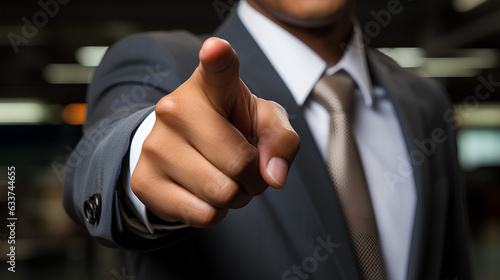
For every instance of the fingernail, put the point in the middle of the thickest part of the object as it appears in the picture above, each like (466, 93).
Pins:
(223, 40)
(278, 170)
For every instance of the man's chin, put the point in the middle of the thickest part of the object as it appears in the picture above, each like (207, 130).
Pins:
(306, 23)
(299, 22)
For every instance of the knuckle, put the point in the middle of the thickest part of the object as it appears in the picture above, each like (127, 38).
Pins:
(242, 159)
(266, 136)
(223, 191)
(167, 106)
(138, 182)
(207, 216)
(152, 144)
(277, 107)
(175, 107)
(292, 139)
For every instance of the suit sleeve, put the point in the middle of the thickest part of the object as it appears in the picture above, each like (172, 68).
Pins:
(133, 76)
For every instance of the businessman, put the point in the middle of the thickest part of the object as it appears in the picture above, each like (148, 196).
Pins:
(184, 135)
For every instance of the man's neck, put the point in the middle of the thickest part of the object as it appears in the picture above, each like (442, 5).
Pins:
(328, 42)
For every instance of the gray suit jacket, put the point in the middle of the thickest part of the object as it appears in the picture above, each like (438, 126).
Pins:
(297, 232)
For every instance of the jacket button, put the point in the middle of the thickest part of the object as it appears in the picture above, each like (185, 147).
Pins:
(92, 208)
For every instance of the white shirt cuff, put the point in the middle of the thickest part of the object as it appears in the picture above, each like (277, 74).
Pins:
(135, 151)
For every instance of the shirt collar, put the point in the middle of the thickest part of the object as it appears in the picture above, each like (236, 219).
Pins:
(297, 64)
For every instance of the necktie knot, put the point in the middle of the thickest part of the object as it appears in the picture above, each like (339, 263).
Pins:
(335, 93)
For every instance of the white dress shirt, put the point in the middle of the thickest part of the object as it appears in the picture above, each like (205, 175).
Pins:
(377, 131)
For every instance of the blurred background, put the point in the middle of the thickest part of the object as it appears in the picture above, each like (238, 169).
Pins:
(44, 72)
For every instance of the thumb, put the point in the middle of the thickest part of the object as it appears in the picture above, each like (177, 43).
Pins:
(217, 75)
(278, 143)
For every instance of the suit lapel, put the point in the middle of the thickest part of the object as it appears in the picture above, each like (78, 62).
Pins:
(261, 78)
(409, 113)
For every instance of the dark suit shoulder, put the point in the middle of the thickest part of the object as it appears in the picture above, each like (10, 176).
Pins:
(130, 56)
(176, 45)
(426, 89)
(156, 61)
(392, 67)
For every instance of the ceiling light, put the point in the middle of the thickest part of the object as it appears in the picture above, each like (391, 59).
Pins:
(466, 5)
(461, 62)
(17, 112)
(75, 113)
(68, 74)
(90, 56)
(449, 67)
(405, 57)
(478, 115)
